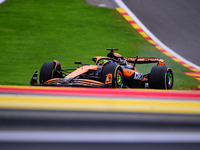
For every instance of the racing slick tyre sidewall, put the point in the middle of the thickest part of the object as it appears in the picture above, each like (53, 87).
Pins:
(161, 77)
(47, 71)
(117, 74)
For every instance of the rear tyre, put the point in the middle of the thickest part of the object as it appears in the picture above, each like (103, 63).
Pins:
(47, 71)
(117, 74)
(161, 77)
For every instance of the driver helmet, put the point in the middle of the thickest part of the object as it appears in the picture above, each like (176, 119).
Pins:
(107, 61)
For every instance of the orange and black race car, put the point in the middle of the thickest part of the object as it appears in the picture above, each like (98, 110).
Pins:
(112, 71)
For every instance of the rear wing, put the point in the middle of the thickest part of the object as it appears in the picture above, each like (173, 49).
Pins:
(137, 60)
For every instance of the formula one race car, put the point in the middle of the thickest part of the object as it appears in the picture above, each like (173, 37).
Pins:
(112, 71)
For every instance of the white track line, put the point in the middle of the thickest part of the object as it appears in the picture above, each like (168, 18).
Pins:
(101, 136)
(122, 5)
(1, 1)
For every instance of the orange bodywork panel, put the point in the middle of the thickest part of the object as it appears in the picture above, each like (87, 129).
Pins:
(117, 55)
(128, 73)
(89, 82)
(161, 64)
(108, 79)
(143, 79)
(81, 70)
(54, 80)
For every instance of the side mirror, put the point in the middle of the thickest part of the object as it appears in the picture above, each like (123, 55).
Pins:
(78, 62)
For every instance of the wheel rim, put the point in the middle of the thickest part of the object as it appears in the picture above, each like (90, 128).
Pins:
(169, 80)
(119, 78)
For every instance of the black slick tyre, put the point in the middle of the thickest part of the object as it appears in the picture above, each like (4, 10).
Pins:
(117, 74)
(161, 77)
(47, 71)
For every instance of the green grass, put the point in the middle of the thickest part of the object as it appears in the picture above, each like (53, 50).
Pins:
(33, 32)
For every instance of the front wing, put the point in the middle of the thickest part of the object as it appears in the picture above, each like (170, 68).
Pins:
(68, 82)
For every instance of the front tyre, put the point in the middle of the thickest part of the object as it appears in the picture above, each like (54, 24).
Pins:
(116, 71)
(161, 77)
(47, 71)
